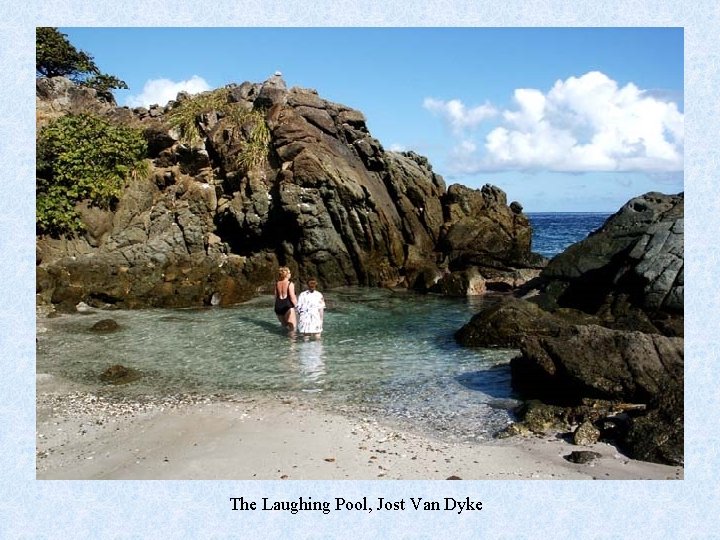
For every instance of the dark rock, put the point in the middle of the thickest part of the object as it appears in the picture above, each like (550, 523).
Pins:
(272, 92)
(582, 457)
(605, 321)
(305, 97)
(516, 207)
(319, 118)
(540, 417)
(105, 325)
(460, 284)
(246, 92)
(98, 222)
(592, 361)
(658, 436)
(513, 430)
(118, 374)
(482, 230)
(158, 137)
(638, 253)
(508, 324)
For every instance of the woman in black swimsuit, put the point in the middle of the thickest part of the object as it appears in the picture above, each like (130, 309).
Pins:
(285, 300)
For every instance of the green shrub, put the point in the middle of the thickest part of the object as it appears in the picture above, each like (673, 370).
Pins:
(83, 157)
(253, 149)
(184, 116)
(248, 126)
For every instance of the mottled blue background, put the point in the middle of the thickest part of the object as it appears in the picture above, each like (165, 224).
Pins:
(519, 509)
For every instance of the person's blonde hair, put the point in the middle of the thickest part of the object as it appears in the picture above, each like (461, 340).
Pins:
(283, 272)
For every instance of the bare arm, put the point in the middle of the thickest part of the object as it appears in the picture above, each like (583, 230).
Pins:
(291, 294)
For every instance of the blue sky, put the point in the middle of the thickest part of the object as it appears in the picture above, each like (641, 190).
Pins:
(562, 119)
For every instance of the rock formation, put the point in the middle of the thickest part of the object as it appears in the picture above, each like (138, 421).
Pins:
(604, 320)
(327, 200)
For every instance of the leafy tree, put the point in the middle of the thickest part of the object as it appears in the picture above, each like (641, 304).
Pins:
(104, 83)
(83, 157)
(56, 56)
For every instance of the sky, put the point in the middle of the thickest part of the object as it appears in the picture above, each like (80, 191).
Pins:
(561, 119)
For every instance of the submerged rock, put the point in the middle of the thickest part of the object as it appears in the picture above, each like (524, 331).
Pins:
(105, 325)
(118, 374)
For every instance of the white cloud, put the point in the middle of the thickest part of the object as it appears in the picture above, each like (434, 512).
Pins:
(582, 124)
(457, 116)
(160, 91)
(397, 148)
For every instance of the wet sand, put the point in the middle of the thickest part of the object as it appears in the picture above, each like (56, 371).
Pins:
(81, 435)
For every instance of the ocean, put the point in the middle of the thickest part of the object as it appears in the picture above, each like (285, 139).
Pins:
(383, 354)
(555, 232)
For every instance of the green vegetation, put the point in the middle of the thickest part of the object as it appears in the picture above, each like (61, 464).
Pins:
(56, 56)
(83, 157)
(253, 149)
(248, 126)
(184, 116)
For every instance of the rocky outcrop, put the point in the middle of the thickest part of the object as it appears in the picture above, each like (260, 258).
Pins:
(630, 271)
(328, 200)
(511, 321)
(627, 275)
(483, 230)
(57, 96)
(604, 320)
(592, 361)
(659, 435)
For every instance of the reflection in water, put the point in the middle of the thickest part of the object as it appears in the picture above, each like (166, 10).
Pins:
(308, 356)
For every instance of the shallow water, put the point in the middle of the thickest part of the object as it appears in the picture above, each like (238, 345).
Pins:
(383, 354)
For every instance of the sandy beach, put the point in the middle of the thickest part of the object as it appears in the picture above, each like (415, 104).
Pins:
(83, 435)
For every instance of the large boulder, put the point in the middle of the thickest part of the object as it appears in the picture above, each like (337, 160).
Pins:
(632, 265)
(508, 324)
(592, 361)
(482, 230)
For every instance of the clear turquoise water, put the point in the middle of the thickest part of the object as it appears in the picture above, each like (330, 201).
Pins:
(383, 353)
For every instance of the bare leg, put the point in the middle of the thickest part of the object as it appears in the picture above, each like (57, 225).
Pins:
(290, 320)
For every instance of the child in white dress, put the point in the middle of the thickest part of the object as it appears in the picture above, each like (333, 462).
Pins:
(310, 308)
